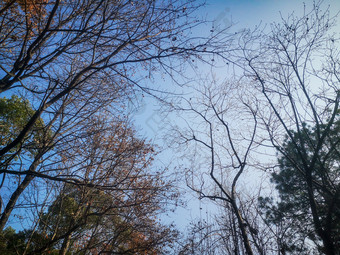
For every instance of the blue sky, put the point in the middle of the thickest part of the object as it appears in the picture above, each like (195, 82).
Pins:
(247, 13)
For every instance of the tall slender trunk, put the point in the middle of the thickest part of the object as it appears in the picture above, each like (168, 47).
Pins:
(242, 226)
(16, 194)
(324, 235)
(12, 201)
(65, 245)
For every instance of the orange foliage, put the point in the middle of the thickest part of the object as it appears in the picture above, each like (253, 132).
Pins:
(33, 10)
(140, 240)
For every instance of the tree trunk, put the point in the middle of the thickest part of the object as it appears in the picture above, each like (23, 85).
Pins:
(242, 226)
(324, 235)
(12, 201)
(66, 245)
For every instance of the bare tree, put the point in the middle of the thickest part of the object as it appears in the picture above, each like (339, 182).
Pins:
(220, 138)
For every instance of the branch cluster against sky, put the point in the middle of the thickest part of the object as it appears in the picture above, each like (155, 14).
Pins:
(221, 14)
(236, 14)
